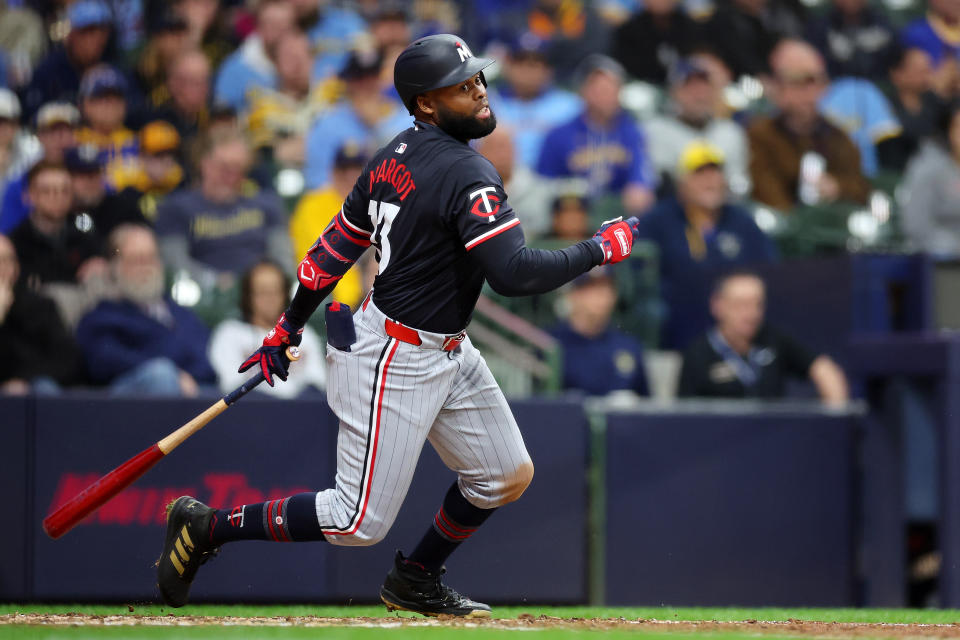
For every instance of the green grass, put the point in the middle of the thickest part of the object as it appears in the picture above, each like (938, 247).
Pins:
(916, 616)
(411, 633)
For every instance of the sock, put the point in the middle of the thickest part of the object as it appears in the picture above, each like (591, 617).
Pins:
(456, 521)
(284, 520)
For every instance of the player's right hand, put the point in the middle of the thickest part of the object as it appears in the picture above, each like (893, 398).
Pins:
(272, 355)
(615, 238)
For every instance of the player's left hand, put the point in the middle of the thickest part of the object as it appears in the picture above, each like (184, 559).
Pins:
(272, 356)
(615, 238)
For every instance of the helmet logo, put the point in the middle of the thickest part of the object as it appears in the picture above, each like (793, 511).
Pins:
(464, 51)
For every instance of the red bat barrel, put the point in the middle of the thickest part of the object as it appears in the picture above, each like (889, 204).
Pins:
(94, 496)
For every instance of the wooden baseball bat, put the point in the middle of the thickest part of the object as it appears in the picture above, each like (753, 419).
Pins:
(101, 491)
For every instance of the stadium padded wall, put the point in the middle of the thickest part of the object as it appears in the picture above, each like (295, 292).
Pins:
(730, 510)
(15, 478)
(661, 473)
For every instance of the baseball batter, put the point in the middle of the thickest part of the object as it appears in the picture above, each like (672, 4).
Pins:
(404, 371)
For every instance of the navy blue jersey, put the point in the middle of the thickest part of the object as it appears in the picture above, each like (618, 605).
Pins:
(427, 200)
(437, 214)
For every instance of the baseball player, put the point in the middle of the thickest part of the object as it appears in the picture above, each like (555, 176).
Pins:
(436, 212)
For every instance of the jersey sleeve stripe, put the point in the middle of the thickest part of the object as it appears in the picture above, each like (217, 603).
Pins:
(353, 227)
(493, 232)
(350, 235)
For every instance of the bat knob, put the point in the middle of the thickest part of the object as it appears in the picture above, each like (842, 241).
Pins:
(293, 352)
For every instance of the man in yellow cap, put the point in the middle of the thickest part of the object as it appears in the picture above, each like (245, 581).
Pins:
(157, 172)
(699, 233)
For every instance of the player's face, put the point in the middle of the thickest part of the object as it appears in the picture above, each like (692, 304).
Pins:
(463, 111)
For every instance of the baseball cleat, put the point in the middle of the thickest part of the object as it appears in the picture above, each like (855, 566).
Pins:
(410, 587)
(186, 547)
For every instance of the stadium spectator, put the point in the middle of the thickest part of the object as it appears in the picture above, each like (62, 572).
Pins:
(57, 76)
(158, 171)
(168, 36)
(797, 133)
(854, 38)
(390, 29)
(654, 39)
(929, 215)
(142, 342)
(56, 130)
(698, 233)
(936, 33)
(528, 102)
(916, 105)
(529, 195)
(367, 116)
(863, 112)
(103, 105)
(264, 294)
(50, 247)
(598, 358)
(18, 148)
(742, 357)
(253, 64)
(692, 115)
(745, 32)
(573, 30)
(216, 231)
(603, 144)
(333, 30)
(94, 207)
(207, 27)
(278, 119)
(317, 208)
(570, 218)
(37, 353)
(188, 85)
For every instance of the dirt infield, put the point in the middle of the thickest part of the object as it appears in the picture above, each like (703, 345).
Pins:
(525, 621)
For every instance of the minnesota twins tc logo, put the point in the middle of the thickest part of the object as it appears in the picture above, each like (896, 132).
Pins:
(484, 202)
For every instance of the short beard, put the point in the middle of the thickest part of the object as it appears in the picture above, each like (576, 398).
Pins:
(465, 128)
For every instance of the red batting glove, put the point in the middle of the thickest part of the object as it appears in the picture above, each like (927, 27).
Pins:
(615, 238)
(272, 355)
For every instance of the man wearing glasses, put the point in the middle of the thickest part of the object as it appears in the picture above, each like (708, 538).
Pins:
(796, 155)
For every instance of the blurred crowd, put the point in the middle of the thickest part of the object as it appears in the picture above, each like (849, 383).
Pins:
(163, 164)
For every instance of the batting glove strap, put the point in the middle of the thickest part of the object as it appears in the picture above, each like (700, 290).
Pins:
(615, 238)
(272, 355)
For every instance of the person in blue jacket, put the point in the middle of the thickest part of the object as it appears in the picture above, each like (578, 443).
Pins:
(597, 357)
(603, 144)
(698, 235)
(142, 342)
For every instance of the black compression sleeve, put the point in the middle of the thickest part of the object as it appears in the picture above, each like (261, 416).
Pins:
(513, 269)
(305, 302)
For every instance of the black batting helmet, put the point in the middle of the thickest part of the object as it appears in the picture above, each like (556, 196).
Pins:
(432, 62)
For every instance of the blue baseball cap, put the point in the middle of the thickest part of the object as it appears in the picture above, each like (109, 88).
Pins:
(88, 13)
(685, 69)
(85, 158)
(102, 80)
(350, 154)
(529, 44)
(602, 273)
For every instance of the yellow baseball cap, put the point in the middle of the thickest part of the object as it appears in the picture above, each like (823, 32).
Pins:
(159, 136)
(697, 155)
